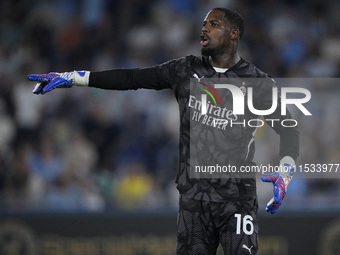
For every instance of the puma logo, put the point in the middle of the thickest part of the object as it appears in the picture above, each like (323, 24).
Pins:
(245, 247)
(198, 78)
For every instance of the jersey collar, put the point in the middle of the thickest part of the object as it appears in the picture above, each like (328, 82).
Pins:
(211, 70)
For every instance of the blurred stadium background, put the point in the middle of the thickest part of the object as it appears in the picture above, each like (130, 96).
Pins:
(111, 157)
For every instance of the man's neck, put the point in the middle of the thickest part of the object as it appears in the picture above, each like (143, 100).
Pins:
(224, 61)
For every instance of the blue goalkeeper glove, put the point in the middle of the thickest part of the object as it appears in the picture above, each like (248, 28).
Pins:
(51, 81)
(280, 180)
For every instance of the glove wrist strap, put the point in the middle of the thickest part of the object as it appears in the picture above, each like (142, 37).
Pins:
(81, 78)
(287, 172)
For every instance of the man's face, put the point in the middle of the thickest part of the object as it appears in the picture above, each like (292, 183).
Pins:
(216, 34)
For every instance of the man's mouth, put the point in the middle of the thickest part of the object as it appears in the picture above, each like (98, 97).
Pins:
(204, 40)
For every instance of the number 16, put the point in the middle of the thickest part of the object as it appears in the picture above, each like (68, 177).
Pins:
(247, 221)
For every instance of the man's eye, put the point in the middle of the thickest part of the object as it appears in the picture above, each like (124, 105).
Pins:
(214, 24)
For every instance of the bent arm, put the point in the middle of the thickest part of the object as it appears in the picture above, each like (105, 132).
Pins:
(288, 132)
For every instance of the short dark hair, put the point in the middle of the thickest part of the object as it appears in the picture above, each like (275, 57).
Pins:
(234, 18)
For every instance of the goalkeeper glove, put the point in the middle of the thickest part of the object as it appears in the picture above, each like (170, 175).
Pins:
(280, 180)
(48, 82)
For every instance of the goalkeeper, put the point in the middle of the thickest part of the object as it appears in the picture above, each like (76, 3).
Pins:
(210, 211)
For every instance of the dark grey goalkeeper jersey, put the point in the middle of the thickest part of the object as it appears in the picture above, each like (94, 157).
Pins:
(237, 146)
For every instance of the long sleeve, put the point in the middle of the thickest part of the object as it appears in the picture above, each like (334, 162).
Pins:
(284, 125)
(125, 79)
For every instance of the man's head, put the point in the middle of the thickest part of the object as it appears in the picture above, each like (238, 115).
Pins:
(222, 29)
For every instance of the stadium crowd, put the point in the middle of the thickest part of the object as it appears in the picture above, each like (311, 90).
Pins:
(84, 149)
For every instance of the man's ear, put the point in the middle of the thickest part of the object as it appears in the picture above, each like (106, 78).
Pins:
(234, 33)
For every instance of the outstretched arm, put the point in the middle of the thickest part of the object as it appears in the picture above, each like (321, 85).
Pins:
(124, 79)
(117, 79)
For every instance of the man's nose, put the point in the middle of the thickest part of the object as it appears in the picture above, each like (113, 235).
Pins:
(205, 29)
